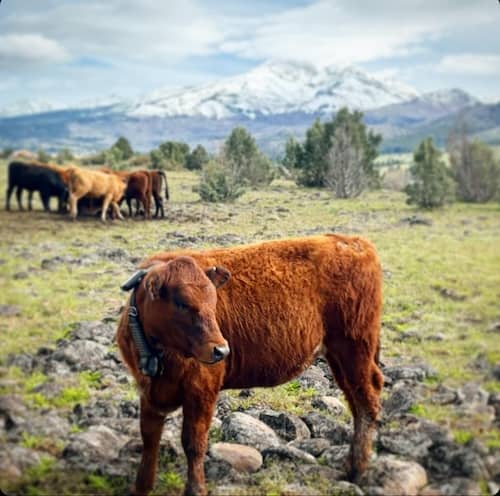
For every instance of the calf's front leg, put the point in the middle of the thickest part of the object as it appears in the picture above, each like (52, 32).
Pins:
(151, 429)
(198, 411)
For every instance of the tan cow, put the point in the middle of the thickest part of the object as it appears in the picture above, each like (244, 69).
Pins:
(95, 184)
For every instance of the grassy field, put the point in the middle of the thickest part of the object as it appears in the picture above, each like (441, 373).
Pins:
(441, 281)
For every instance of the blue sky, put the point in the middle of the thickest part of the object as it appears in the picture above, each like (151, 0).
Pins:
(75, 50)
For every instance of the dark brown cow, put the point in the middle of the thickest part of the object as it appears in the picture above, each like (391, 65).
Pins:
(285, 302)
(139, 188)
(156, 177)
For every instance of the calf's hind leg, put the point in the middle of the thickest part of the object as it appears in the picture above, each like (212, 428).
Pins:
(353, 364)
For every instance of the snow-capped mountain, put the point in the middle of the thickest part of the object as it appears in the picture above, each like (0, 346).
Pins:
(27, 107)
(32, 107)
(276, 88)
(273, 101)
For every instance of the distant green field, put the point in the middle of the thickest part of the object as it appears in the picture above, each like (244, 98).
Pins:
(442, 281)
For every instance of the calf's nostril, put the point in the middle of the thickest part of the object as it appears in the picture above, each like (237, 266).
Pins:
(220, 352)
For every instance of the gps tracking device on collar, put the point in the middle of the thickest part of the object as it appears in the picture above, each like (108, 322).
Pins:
(150, 361)
(134, 280)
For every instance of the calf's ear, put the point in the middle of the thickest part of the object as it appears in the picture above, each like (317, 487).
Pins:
(154, 285)
(218, 275)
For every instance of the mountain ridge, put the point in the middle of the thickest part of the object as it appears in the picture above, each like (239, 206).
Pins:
(273, 101)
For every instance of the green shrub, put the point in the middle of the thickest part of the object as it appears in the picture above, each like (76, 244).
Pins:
(218, 185)
(432, 185)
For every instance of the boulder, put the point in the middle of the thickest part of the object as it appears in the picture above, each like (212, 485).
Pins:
(242, 458)
(453, 487)
(99, 442)
(286, 425)
(321, 426)
(331, 404)
(389, 476)
(315, 446)
(287, 453)
(244, 429)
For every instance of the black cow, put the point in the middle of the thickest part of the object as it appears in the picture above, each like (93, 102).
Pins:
(35, 178)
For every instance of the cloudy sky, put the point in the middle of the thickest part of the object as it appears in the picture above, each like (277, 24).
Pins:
(73, 50)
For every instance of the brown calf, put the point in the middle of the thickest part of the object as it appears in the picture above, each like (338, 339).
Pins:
(285, 302)
(95, 184)
(155, 177)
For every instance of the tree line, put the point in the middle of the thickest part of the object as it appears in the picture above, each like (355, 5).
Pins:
(338, 154)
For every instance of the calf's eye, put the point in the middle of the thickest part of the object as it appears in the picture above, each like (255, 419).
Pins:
(180, 305)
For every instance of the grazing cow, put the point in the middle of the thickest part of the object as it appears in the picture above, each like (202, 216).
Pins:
(95, 184)
(284, 302)
(139, 188)
(155, 177)
(32, 177)
(63, 173)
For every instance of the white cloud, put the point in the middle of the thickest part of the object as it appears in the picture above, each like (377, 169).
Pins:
(470, 63)
(30, 49)
(341, 31)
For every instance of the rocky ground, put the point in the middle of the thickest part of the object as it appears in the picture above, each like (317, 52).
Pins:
(248, 447)
(69, 412)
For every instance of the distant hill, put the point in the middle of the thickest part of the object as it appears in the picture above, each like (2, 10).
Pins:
(273, 101)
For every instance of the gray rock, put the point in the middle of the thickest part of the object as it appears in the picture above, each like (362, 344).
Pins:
(286, 425)
(410, 372)
(473, 394)
(474, 402)
(394, 477)
(321, 426)
(99, 442)
(287, 453)
(494, 401)
(82, 354)
(344, 488)
(403, 397)
(329, 403)
(296, 489)
(24, 361)
(453, 487)
(315, 446)
(95, 330)
(313, 377)
(445, 396)
(241, 458)
(15, 460)
(495, 327)
(247, 430)
(446, 460)
(337, 457)
(50, 426)
(467, 463)
(10, 310)
(13, 411)
(411, 438)
(230, 490)
(20, 275)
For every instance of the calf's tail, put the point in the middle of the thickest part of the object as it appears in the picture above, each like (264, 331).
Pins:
(162, 174)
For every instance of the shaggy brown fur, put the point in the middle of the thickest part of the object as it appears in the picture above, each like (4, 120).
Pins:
(95, 184)
(284, 302)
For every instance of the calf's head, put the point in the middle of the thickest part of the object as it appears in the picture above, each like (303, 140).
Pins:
(177, 303)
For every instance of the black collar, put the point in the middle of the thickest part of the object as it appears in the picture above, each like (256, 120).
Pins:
(150, 360)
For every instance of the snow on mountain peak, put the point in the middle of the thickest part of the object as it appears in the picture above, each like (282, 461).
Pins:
(276, 88)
